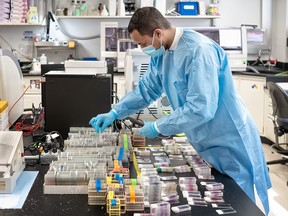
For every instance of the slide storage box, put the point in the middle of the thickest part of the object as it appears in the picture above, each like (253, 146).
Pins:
(187, 8)
(4, 123)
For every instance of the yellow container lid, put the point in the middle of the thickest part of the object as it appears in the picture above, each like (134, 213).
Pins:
(3, 105)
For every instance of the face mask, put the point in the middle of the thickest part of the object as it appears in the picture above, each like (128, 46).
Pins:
(151, 51)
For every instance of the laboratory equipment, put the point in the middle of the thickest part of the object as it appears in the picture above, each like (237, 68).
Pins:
(73, 99)
(136, 64)
(12, 161)
(233, 41)
(129, 6)
(11, 84)
(85, 67)
(256, 40)
(114, 42)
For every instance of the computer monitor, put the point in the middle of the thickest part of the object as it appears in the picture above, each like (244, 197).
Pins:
(256, 40)
(233, 41)
(255, 36)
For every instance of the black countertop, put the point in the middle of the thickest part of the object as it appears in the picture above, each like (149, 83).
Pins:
(38, 203)
(275, 74)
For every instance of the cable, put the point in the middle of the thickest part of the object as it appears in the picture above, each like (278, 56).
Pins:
(138, 115)
(13, 49)
(68, 34)
(18, 101)
(60, 141)
(29, 129)
(126, 125)
(6, 42)
(118, 130)
(34, 149)
(252, 69)
(116, 96)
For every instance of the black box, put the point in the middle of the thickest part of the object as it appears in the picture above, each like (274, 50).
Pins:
(73, 99)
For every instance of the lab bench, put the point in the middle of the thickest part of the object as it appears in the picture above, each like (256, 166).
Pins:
(38, 203)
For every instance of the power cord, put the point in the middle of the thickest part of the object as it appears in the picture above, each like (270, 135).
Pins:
(45, 144)
(34, 150)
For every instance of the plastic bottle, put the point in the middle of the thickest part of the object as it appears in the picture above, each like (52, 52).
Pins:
(104, 11)
(71, 10)
(77, 9)
(112, 7)
(121, 8)
(36, 67)
(83, 9)
(43, 59)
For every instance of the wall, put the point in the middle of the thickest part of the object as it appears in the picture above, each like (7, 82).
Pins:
(279, 30)
(14, 35)
(235, 12)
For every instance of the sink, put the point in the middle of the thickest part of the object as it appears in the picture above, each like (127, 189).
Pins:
(273, 71)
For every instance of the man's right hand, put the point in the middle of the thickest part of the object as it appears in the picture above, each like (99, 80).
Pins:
(101, 121)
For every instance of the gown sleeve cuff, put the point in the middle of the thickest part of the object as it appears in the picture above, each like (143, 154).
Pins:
(114, 113)
(156, 128)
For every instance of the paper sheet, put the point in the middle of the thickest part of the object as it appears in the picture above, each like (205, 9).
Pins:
(17, 198)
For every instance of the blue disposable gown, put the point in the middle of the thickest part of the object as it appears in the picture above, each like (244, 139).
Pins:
(198, 83)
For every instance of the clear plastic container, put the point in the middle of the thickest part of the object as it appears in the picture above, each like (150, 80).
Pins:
(43, 59)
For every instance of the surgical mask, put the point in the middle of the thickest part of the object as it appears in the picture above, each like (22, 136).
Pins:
(151, 51)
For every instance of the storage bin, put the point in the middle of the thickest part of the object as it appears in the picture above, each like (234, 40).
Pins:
(187, 8)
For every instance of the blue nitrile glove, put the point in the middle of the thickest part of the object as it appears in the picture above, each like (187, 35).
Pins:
(101, 121)
(149, 130)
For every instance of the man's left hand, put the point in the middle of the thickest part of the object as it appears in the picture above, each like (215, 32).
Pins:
(148, 130)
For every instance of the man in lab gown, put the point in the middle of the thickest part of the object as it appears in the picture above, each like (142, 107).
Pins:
(194, 73)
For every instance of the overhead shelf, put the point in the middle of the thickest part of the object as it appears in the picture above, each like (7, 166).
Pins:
(20, 24)
(128, 17)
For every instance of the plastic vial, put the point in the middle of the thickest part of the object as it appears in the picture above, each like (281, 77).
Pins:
(43, 59)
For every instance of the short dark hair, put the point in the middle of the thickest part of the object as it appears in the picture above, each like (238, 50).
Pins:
(145, 20)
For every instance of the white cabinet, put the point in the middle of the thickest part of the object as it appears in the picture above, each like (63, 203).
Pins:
(256, 97)
(33, 93)
(251, 89)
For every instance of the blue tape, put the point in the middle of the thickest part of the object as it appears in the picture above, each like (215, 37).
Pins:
(121, 152)
(98, 185)
(121, 180)
(113, 202)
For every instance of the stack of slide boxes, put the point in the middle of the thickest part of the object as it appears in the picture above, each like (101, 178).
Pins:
(13, 11)
(4, 123)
